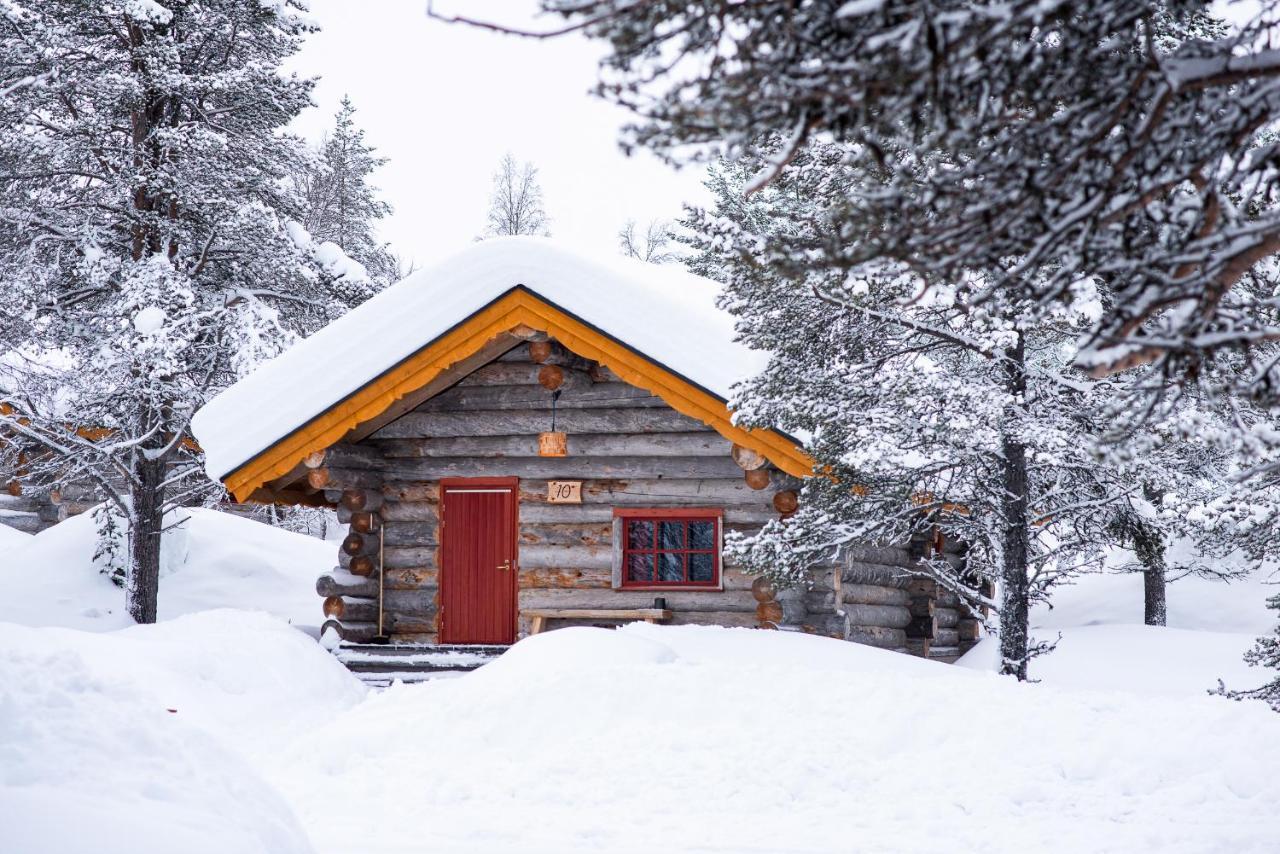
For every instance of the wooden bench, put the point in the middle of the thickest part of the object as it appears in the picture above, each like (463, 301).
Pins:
(541, 615)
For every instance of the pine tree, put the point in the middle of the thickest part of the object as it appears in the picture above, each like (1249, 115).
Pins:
(1043, 145)
(150, 251)
(1265, 653)
(341, 206)
(515, 205)
(929, 414)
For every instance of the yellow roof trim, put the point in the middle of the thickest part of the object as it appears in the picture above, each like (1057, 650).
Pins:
(518, 307)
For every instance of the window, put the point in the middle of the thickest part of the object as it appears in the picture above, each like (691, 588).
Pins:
(668, 548)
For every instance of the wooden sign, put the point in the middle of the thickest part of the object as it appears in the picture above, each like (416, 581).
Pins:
(564, 491)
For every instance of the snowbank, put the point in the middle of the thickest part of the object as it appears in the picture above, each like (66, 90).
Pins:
(143, 740)
(664, 312)
(700, 739)
(208, 560)
(1193, 603)
(11, 539)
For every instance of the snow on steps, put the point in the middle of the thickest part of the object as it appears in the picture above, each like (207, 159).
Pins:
(378, 665)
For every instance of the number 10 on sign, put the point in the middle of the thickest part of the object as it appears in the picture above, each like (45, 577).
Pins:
(564, 491)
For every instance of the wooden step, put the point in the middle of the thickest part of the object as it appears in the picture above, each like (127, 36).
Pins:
(378, 665)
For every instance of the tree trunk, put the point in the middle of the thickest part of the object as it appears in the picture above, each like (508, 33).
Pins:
(144, 540)
(1014, 605)
(1154, 611)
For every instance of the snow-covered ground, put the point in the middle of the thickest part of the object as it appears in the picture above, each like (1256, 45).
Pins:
(147, 739)
(232, 731)
(208, 560)
(12, 538)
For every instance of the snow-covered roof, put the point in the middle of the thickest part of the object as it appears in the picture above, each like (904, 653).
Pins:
(664, 313)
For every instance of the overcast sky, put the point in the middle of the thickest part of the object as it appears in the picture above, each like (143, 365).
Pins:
(444, 102)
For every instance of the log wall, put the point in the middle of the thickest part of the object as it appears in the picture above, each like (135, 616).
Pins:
(629, 449)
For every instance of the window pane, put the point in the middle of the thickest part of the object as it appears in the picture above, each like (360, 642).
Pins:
(639, 535)
(671, 567)
(671, 535)
(702, 535)
(640, 567)
(702, 568)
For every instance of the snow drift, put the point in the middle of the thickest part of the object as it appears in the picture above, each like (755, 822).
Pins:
(709, 739)
(208, 560)
(142, 740)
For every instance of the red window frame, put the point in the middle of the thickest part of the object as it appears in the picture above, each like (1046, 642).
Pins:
(626, 515)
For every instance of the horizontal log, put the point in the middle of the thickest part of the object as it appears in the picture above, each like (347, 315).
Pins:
(582, 556)
(740, 518)
(417, 601)
(410, 578)
(400, 533)
(948, 599)
(353, 500)
(565, 534)
(651, 491)
(535, 397)
(394, 490)
(560, 468)
(677, 600)
(329, 478)
(561, 577)
(346, 584)
(409, 511)
(516, 423)
(398, 624)
(360, 544)
(699, 444)
(948, 618)
(347, 455)
(884, 575)
(873, 594)
(403, 557)
(730, 619)
(500, 373)
(883, 555)
(880, 616)
(969, 629)
(823, 598)
(884, 638)
(946, 637)
(356, 632)
(359, 610)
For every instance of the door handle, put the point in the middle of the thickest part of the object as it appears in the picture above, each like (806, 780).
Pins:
(505, 565)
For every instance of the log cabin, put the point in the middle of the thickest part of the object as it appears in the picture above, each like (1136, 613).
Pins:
(522, 438)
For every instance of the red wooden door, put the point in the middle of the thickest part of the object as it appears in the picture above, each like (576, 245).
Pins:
(478, 561)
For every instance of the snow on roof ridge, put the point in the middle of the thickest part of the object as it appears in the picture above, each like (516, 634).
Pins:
(664, 312)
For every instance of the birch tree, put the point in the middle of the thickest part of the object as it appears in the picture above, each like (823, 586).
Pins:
(515, 204)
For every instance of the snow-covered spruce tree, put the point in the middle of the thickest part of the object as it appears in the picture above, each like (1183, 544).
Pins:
(515, 204)
(1122, 141)
(926, 412)
(147, 253)
(656, 245)
(341, 205)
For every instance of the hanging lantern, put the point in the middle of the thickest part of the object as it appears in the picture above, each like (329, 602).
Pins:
(553, 443)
